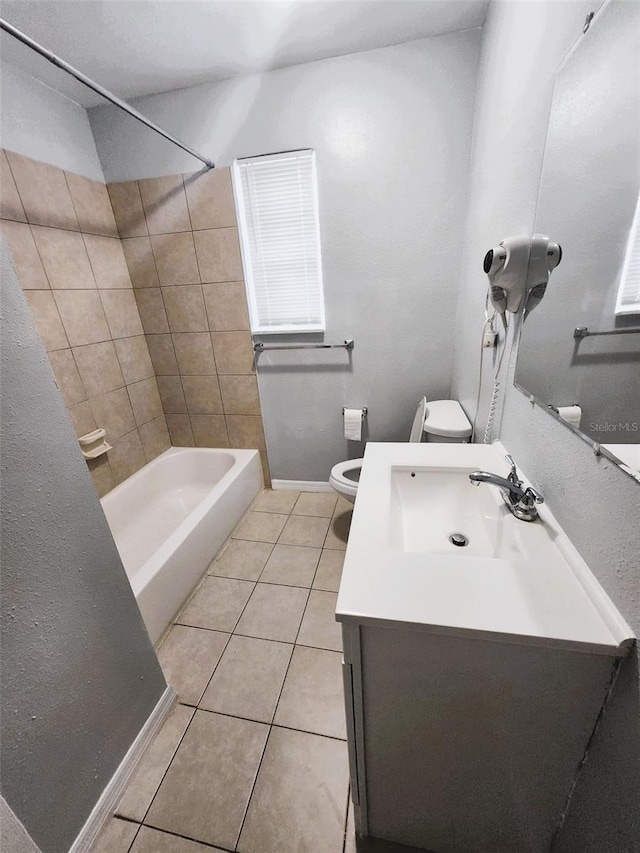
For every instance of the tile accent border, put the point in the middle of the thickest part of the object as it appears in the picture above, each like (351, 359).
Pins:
(106, 805)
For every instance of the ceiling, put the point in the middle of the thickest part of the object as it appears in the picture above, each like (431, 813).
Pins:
(139, 47)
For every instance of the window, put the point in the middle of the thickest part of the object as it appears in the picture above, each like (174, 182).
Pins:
(628, 301)
(277, 200)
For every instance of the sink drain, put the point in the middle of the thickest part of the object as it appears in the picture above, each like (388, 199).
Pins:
(458, 539)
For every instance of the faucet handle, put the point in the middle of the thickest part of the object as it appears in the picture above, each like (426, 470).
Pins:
(513, 474)
(533, 495)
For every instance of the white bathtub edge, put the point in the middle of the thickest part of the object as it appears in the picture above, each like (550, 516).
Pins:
(106, 805)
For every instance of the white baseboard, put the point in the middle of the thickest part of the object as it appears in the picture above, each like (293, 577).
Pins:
(106, 805)
(301, 485)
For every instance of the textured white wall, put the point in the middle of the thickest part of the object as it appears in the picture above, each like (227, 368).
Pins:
(392, 130)
(79, 674)
(40, 123)
(597, 504)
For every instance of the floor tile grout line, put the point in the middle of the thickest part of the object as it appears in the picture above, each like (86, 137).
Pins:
(135, 835)
(346, 819)
(231, 634)
(188, 838)
(255, 780)
(164, 775)
(275, 710)
(271, 724)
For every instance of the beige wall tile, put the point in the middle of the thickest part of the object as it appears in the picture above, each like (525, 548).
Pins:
(127, 457)
(180, 430)
(10, 204)
(163, 355)
(67, 377)
(92, 205)
(82, 316)
(113, 413)
(202, 394)
(82, 418)
(107, 261)
(134, 359)
(240, 395)
(175, 258)
(233, 352)
(165, 204)
(209, 431)
(226, 306)
(145, 400)
(24, 254)
(194, 353)
(218, 254)
(127, 208)
(171, 394)
(45, 313)
(64, 258)
(44, 193)
(140, 261)
(122, 314)
(185, 308)
(103, 480)
(210, 198)
(245, 431)
(154, 436)
(99, 368)
(151, 308)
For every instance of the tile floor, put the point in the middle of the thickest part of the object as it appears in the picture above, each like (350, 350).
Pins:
(253, 758)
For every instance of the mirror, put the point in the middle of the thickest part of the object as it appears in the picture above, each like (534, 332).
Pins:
(587, 200)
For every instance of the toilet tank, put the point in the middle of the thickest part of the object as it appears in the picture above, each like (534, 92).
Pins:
(445, 422)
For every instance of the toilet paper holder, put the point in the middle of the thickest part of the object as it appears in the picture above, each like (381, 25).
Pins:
(363, 409)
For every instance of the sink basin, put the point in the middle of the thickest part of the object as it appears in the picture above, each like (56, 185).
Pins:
(516, 580)
(433, 508)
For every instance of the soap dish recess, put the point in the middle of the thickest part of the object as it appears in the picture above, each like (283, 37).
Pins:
(94, 444)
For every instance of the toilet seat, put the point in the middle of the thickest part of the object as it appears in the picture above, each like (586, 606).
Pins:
(340, 482)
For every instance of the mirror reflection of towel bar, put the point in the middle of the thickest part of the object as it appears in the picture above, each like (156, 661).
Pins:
(258, 346)
(583, 332)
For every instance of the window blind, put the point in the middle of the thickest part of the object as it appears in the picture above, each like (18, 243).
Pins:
(628, 301)
(277, 201)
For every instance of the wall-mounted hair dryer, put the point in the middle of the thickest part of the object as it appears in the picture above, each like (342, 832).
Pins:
(518, 271)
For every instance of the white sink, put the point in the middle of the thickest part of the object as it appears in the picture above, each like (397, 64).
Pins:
(432, 508)
(514, 578)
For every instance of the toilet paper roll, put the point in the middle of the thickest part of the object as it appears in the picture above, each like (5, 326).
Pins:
(353, 424)
(571, 414)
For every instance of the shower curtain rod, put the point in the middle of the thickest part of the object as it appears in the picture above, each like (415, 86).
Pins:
(96, 87)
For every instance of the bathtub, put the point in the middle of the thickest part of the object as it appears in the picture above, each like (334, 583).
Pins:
(171, 517)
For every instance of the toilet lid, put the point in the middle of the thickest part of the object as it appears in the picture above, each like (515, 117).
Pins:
(416, 430)
(446, 418)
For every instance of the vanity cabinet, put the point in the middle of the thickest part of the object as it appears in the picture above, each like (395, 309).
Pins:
(474, 676)
(465, 744)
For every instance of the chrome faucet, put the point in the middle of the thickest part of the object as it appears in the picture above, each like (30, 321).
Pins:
(521, 502)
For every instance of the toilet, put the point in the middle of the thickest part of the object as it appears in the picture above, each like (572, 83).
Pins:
(442, 421)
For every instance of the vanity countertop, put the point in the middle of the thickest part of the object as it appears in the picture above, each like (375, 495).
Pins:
(525, 582)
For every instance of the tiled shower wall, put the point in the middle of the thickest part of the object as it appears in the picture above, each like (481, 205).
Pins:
(63, 238)
(180, 240)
